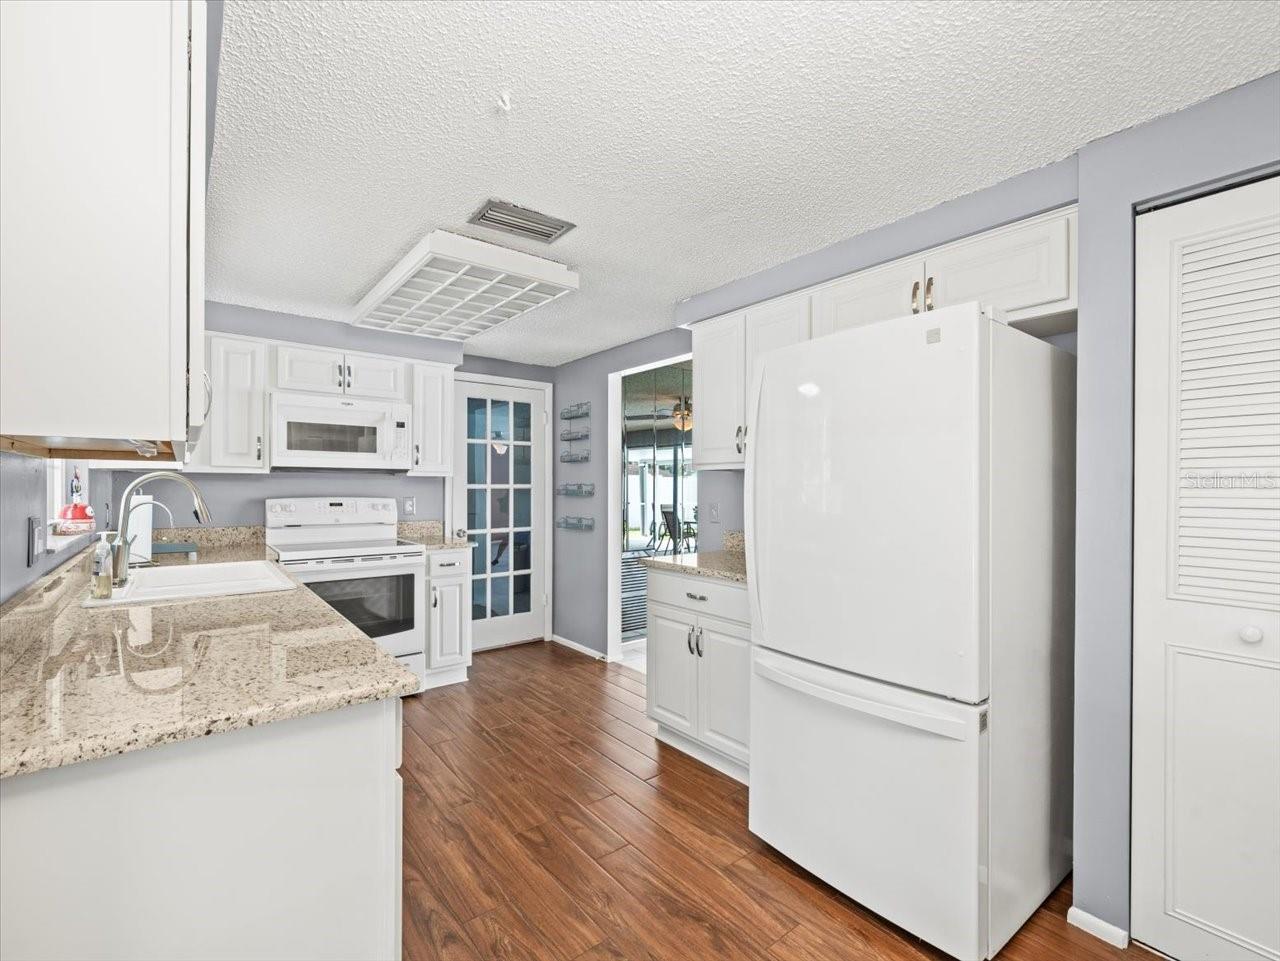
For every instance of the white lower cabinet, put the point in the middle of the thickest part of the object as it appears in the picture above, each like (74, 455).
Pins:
(672, 682)
(448, 618)
(724, 680)
(699, 669)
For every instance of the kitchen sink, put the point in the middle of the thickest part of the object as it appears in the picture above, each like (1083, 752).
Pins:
(155, 585)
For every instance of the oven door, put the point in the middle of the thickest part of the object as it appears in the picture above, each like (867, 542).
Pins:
(384, 599)
(316, 431)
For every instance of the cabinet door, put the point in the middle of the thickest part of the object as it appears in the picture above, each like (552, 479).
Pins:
(1026, 270)
(724, 684)
(94, 154)
(238, 415)
(672, 666)
(446, 644)
(771, 326)
(432, 420)
(311, 369)
(718, 395)
(880, 293)
(375, 377)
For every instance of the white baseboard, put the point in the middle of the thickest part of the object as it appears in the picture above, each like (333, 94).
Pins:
(501, 644)
(575, 646)
(449, 675)
(1103, 930)
(702, 753)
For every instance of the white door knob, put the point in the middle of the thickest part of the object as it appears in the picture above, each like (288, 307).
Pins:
(1251, 634)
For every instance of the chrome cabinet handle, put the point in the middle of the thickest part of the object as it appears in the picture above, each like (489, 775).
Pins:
(928, 294)
(448, 564)
(743, 449)
(208, 393)
(699, 637)
(737, 439)
(435, 597)
(417, 454)
(695, 597)
(339, 374)
(915, 297)
(688, 639)
(348, 376)
(259, 456)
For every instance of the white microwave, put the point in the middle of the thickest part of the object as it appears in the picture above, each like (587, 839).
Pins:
(313, 430)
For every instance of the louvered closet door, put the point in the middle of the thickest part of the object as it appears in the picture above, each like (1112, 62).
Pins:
(1206, 712)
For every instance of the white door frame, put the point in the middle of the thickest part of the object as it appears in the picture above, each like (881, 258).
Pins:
(548, 393)
(613, 503)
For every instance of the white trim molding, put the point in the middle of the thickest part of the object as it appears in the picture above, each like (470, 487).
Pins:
(1102, 930)
(575, 646)
(613, 502)
(549, 493)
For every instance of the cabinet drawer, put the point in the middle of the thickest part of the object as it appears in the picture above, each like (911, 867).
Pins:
(701, 595)
(448, 563)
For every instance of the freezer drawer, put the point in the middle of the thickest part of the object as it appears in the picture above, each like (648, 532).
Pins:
(879, 791)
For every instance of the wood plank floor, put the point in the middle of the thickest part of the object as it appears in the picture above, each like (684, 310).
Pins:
(543, 821)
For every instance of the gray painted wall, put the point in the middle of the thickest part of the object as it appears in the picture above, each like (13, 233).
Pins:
(22, 494)
(722, 490)
(472, 364)
(581, 559)
(237, 499)
(1231, 133)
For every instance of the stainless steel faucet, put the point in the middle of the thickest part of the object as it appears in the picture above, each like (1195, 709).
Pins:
(120, 546)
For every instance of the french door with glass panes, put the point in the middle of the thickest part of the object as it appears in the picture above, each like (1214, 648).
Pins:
(499, 501)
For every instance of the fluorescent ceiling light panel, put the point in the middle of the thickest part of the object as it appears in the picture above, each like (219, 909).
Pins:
(456, 287)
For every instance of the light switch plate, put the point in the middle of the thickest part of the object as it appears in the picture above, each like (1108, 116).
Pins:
(410, 506)
(35, 539)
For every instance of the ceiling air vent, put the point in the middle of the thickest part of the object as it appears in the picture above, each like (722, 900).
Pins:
(510, 219)
(456, 287)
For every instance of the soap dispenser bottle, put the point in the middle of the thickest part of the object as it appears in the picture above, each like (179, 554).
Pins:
(102, 570)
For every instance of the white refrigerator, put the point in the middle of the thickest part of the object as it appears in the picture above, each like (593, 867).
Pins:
(909, 523)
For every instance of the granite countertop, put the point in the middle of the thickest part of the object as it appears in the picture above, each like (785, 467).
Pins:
(430, 534)
(79, 683)
(720, 565)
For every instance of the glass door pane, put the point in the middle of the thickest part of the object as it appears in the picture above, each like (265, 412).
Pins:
(499, 505)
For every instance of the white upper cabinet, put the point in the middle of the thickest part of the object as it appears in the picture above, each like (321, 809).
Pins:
(1027, 270)
(237, 429)
(718, 396)
(432, 420)
(881, 293)
(319, 370)
(375, 377)
(771, 325)
(312, 369)
(102, 187)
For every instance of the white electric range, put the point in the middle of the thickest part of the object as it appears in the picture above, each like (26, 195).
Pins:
(345, 549)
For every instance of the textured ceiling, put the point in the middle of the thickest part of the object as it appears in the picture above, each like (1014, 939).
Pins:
(692, 143)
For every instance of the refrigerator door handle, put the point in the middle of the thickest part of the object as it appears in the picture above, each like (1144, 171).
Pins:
(933, 723)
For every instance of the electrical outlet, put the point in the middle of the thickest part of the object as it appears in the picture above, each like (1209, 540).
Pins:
(410, 505)
(713, 512)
